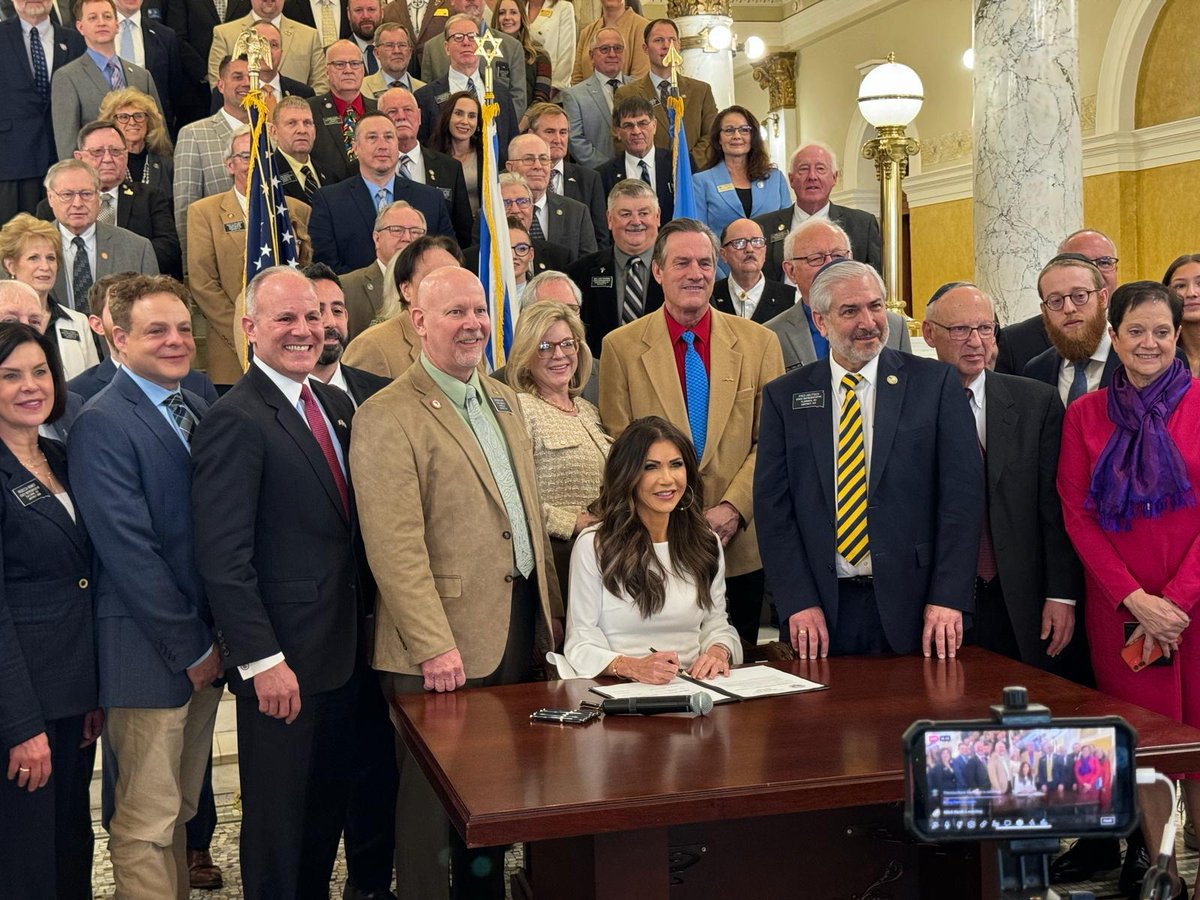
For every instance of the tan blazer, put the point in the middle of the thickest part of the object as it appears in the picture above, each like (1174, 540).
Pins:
(387, 349)
(303, 55)
(434, 23)
(639, 378)
(374, 85)
(699, 113)
(436, 530)
(216, 255)
(363, 289)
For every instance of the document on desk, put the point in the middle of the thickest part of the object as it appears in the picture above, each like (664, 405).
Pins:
(746, 683)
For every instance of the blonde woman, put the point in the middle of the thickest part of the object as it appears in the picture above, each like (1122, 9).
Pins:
(552, 27)
(550, 364)
(509, 17)
(151, 157)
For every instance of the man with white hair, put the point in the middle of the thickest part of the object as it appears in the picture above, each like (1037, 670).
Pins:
(812, 173)
(397, 225)
(869, 534)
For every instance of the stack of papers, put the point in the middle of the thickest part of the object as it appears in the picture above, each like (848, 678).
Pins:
(746, 683)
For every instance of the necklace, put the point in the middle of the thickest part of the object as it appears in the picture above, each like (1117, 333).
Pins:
(35, 467)
(570, 410)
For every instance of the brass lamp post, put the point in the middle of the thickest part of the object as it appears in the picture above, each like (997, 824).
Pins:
(889, 98)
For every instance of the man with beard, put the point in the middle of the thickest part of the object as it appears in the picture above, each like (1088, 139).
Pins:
(869, 531)
(364, 19)
(1074, 303)
(358, 384)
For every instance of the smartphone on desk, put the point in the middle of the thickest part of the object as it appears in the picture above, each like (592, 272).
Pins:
(1132, 653)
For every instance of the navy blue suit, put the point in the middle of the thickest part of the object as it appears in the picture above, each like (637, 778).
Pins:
(1045, 366)
(90, 382)
(614, 170)
(164, 62)
(343, 220)
(26, 132)
(134, 485)
(47, 681)
(925, 494)
(431, 97)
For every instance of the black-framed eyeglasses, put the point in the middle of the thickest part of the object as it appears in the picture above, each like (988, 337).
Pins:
(740, 243)
(522, 249)
(1079, 299)
(819, 259)
(126, 118)
(461, 36)
(960, 334)
(545, 349)
(1105, 262)
(414, 231)
(342, 64)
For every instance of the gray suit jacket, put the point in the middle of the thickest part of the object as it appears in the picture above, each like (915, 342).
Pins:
(591, 141)
(569, 225)
(200, 168)
(435, 64)
(117, 250)
(76, 92)
(796, 340)
(862, 227)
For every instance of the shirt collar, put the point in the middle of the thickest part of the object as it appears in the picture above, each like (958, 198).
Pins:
(455, 390)
(337, 380)
(702, 329)
(457, 81)
(88, 234)
(868, 372)
(291, 389)
(275, 21)
(1100, 354)
(799, 215)
(135, 18)
(233, 123)
(99, 58)
(755, 291)
(648, 159)
(604, 79)
(976, 389)
(155, 392)
(622, 258)
(373, 188)
(45, 28)
(341, 105)
(656, 81)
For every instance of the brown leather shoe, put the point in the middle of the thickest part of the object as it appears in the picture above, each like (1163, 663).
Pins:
(205, 875)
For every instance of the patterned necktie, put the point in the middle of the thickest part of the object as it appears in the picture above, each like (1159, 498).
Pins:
(320, 431)
(851, 476)
(614, 84)
(535, 227)
(664, 91)
(349, 120)
(310, 181)
(696, 379)
(81, 275)
(381, 199)
(1079, 384)
(126, 50)
(633, 302)
(108, 210)
(406, 166)
(555, 178)
(328, 26)
(370, 60)
(496, 452)
(116, 75)
(269, 98)
(184, 417)
(221, 6)
(471, 88)
(645, 172)
(41, 72)
(986, 565)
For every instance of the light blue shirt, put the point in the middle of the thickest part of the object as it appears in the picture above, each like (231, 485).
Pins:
(373, 189)
(157, 394)
(102, 62)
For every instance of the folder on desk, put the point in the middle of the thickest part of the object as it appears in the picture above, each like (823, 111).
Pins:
(746, 683)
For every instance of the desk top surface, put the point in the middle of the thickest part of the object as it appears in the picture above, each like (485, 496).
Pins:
(505, 779)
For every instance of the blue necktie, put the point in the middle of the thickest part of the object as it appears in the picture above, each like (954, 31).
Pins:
(126, 51)
(41, 75)
(696, 379)
(116, 75)
(1079, 385)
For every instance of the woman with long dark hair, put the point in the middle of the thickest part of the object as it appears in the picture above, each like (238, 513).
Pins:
(647, 595)
(458, 132)
(1183, 280)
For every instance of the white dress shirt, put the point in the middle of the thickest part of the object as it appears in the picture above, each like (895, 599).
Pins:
(139, 42)
(745, 302)
(799, 216)
(557, 185)
(1094, 366)
(45, 31)
(866, 400)
(337, 380)
(416, 168)
(336, 8)
(608, 92)
(69, 251)
(633, 167)
(539, 210)
(457, 81)
(233, 123)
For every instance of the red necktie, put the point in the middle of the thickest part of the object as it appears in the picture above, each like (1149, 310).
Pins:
(316, 424)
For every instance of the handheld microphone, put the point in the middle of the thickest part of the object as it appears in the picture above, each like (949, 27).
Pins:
(652, 706)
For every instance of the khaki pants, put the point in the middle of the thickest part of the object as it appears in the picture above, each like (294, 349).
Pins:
(161, 757)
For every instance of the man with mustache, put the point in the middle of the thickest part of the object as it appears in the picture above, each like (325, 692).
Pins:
(868, 491)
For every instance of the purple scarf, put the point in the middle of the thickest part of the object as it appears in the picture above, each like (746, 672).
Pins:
(1140, 471)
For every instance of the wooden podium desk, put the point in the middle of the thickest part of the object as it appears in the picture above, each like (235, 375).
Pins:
(795, 796)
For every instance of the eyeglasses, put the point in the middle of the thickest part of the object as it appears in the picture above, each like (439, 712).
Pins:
(1105, 262)
(638, 125)
(101, 152)
(545, 349)
(518, 202)
(606, 49)
(342, 64)
(530, 159)
(731, 130)
(1079, 298)
(461, 37)
(126, 118)
(72, 196)
(522, 249)
(962, 333)
(414, 231)
(244, 156)
(817, 259)
(393, 45)
(740, 243)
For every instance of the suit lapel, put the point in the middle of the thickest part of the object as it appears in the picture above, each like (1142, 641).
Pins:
(658, 361)
(16, 49)
(889, 400)
(48, 507)
(820, 428)
(1000, 420)
(363, 202)
(125, 199)
(154, 420)
(513, 437)
(728, 197)
(726, 362)
(104, 249)
(93, 74)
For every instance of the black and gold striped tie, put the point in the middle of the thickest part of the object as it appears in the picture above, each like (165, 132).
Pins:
(851, 477)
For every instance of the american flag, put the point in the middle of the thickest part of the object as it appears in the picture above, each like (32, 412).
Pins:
(269, 237)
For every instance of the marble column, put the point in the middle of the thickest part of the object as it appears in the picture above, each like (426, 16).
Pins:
(776, 74)
(715, 67)
(1028, 189)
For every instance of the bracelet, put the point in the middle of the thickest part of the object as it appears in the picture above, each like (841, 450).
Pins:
(613, 667)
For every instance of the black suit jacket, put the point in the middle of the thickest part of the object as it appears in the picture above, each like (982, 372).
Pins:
(88, 383)
(596, 276)
(546, 256)
(1034, 556)
(26, 132)
(776, 298)
(289, 182)
(47, 643)
(274, 546)
(924, 445)
(444, 172)
(586, 186)
(614, 170)
(861, 226)
(363, 384)
(343, 219)
(1045, 366)
(431, 97)
(164, 61)
(329, 149)
(1018, 343)
(145, 211)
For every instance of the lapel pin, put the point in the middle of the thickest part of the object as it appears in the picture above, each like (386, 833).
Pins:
(892, 379)
(779, 227)
(103, 255)
(341, 423)
(558, 212)
(435, 403)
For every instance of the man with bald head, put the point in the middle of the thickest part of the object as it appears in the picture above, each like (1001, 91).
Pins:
(337, 112)
(556, 218)
(1028, 577)
(453, 513)
(1021, 341)
(807, 249)
(746, 292)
